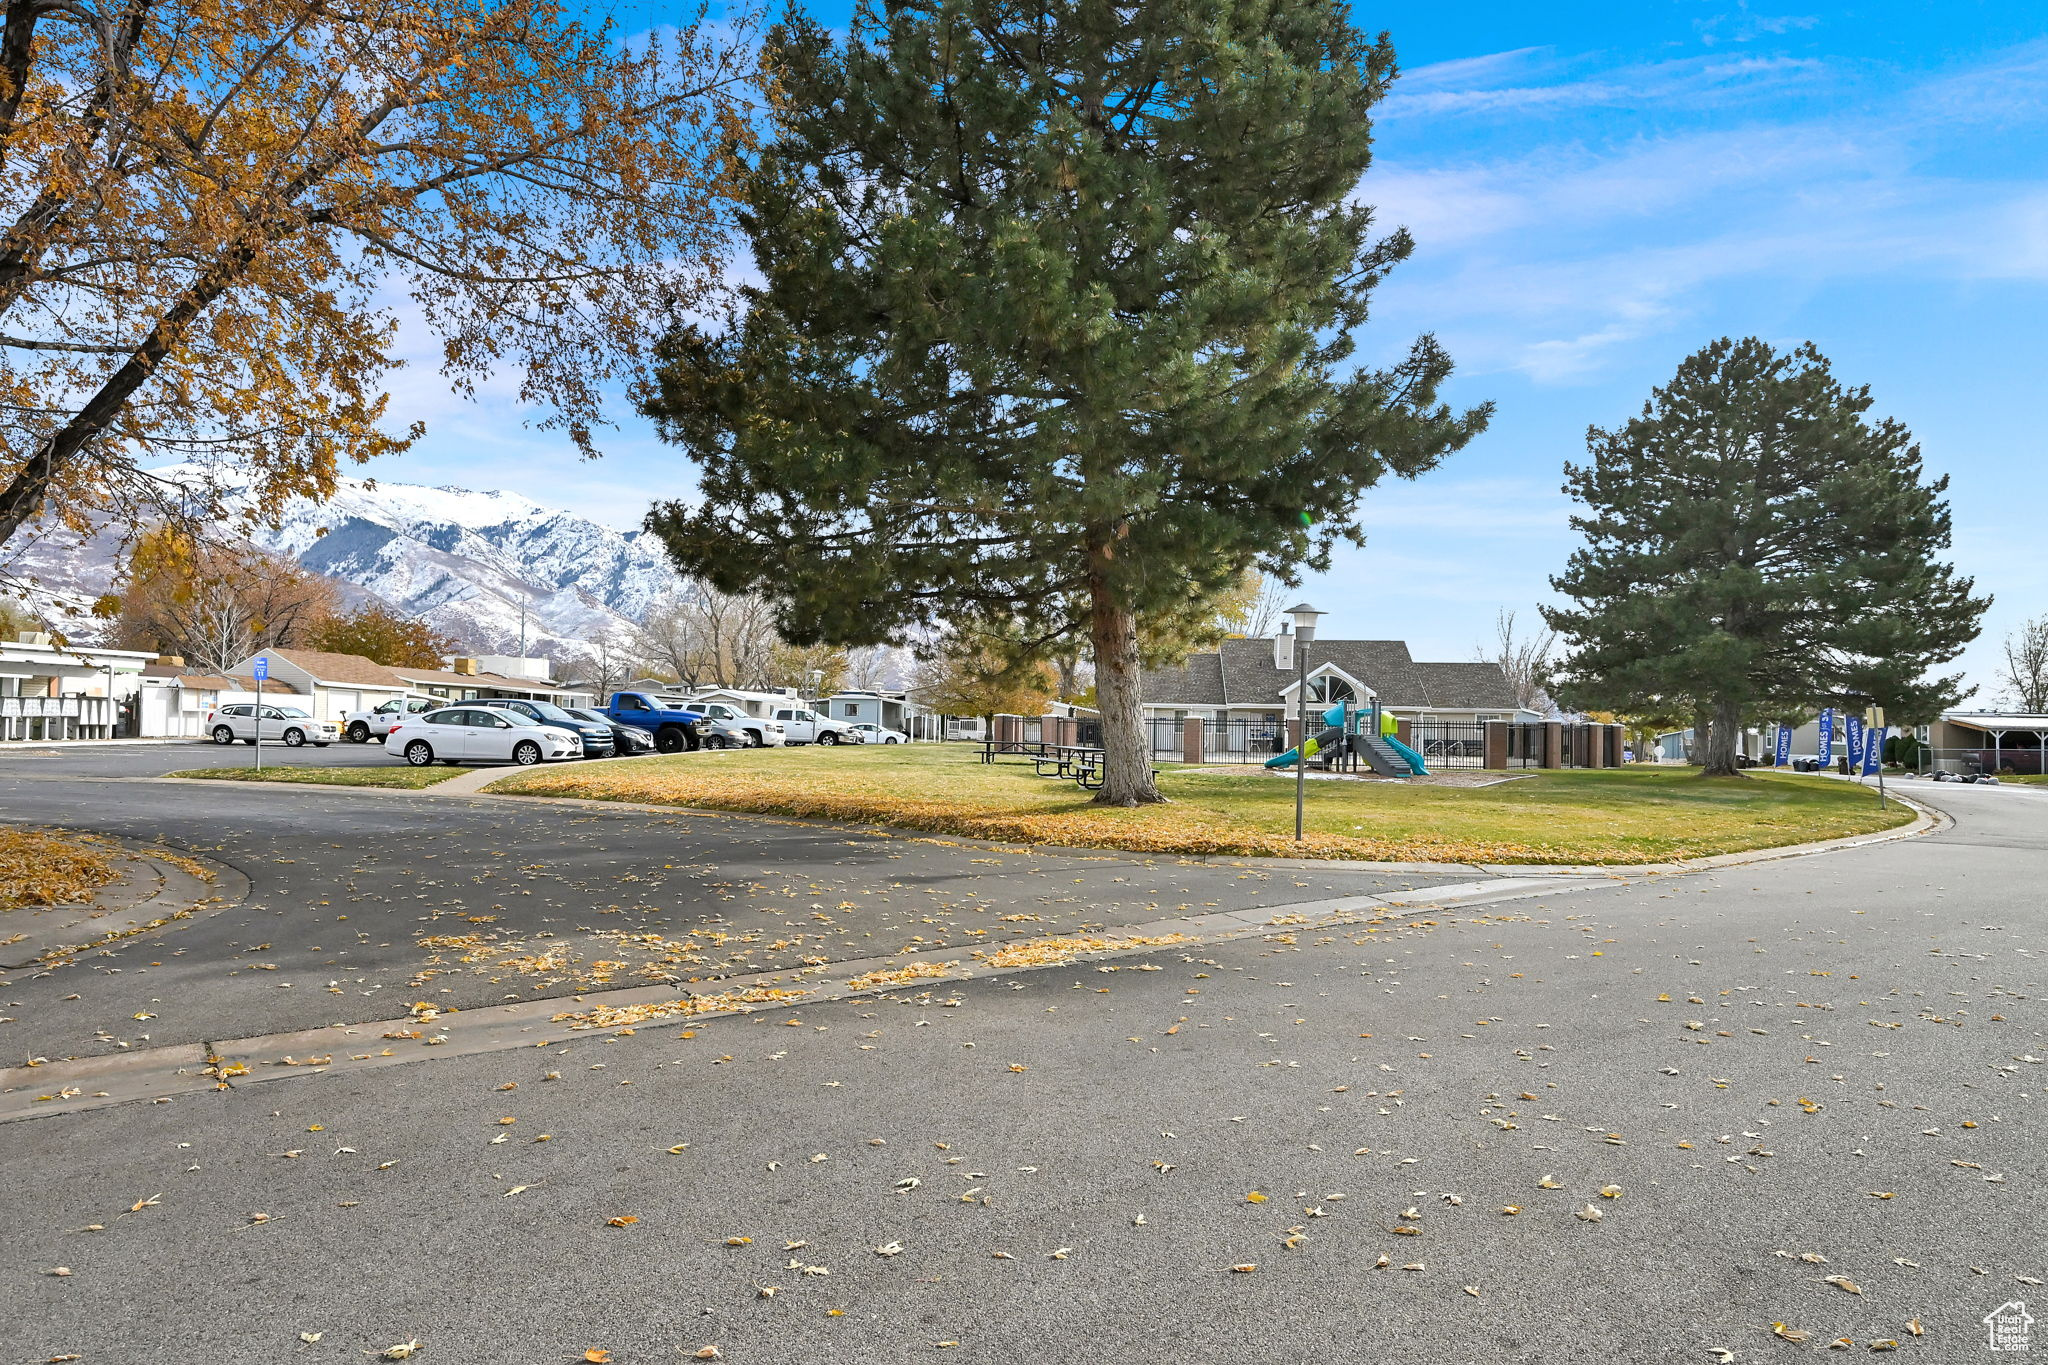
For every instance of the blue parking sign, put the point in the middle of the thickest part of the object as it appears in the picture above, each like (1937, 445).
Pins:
(261, 671)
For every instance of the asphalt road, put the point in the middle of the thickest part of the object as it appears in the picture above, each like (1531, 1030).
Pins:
(1062, 1165)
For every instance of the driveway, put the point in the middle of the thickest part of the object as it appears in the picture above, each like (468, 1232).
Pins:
(1778, 1073)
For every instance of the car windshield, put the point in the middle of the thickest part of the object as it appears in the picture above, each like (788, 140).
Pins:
(292, 713)
(582, 713)
(549, 711)
(516, 717)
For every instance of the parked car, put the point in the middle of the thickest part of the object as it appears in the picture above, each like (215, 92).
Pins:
(626, 739)
(871, 733)
(360, 727)
(728, 727)
(674, 725)
(470, 733)
(243, 720)
(595, 734)
(801, 725)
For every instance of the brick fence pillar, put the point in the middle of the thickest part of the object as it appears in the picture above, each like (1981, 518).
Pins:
(1617, 742)
(1553, 744)
(1191, 740)
(1007, 730)
(1293, 732)
(1405, 732)
(1496, 745)
(1582, 747)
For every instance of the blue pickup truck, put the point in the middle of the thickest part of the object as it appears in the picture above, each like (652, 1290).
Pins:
(675, 729)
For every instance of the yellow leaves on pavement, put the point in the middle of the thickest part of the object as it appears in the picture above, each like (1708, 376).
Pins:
(1255, 1198)
(1784, 1333)
(1845, 1284)
(50, 869)
(624, 1220)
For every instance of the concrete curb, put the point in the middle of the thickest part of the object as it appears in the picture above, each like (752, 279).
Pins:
(160, 1075)
(154, 891)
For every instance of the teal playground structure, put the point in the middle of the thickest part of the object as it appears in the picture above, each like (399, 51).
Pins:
(1337, 721)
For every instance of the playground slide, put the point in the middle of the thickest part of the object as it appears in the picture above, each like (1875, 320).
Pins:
(1334, 734)
(1414, 759)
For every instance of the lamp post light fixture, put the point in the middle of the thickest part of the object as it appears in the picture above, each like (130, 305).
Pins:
(1304, 617)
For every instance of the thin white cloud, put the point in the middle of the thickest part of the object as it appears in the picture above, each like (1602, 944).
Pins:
(1556, 263)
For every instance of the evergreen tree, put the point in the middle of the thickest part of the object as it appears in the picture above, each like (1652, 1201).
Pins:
(1754, 544)
(1055, 326)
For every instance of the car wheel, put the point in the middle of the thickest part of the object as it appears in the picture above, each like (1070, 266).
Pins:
(420, 754)
(526, 753)
(756, 740)
(359, 733)
(223, 735)
(892, 740)
(294, 737)
(829, 737)
(669, 739)
(714, 741)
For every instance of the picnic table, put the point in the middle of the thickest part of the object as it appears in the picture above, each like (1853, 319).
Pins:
(1079, 763)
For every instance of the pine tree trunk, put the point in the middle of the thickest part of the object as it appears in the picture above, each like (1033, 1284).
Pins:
(1126, 758)
(1723, 739)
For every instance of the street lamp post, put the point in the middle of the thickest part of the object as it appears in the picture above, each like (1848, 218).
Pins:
(1304, 617)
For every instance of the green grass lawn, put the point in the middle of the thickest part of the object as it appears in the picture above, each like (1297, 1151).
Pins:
(329, 777)
(1633, 815)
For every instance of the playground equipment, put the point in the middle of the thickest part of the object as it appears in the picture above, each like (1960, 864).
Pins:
(1332, 735)
(1335, 722)
(1388, 736)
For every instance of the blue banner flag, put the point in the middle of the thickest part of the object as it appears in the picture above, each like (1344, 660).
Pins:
(1827, 737)
(1852, 735)
(1784, 754)
(1873, 750)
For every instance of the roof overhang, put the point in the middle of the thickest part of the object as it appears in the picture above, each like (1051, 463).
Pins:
(1989, 721)
(1329, 671)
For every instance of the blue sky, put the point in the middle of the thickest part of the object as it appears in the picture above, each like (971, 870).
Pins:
(1596, 191)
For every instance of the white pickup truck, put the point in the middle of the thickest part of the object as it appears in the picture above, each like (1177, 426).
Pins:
(360, 727)
(729, 727)
(801, 725)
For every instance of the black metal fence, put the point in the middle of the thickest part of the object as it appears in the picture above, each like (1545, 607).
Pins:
(1223, 741)
(1525, 746)
(1448, 743)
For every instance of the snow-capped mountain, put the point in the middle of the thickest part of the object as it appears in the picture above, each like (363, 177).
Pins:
(468, 561)
(464, 560)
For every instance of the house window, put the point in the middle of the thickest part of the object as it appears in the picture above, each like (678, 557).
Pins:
(1330, 688)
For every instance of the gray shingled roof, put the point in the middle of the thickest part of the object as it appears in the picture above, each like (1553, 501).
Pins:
(1477, 685)
(1196, 682)
(1241, 673)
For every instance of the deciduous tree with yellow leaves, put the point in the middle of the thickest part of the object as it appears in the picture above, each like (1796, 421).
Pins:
(213, 211)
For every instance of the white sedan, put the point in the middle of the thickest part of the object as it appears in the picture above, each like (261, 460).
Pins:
(288, 724)
(462, 734)
(871, 733)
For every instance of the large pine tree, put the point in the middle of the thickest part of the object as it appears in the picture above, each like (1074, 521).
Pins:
(1055, 327)
(1756, 545)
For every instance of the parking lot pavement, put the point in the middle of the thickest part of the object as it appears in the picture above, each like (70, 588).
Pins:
(361, 905)
(1646, 1124)
(154, 759)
